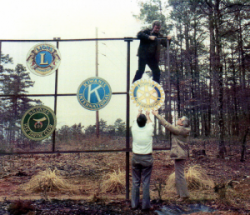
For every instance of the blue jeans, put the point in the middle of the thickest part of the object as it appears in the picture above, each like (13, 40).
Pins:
(153, 65)
(141, 172)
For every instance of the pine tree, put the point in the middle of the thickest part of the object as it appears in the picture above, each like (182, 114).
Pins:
(15, 84)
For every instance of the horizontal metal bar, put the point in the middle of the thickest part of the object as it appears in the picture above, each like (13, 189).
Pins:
(66, 94)
(160, 149)
(68, 40)
(66, 152)
(74, 40)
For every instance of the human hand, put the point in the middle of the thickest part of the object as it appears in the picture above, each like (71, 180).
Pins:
(152, 37)
(140, 110)
(169, 37)
(154, 112)
(147, 113)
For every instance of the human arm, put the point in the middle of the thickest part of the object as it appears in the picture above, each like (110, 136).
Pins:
(139, 113)
(148, 117)
(145, 35)
(166, 124)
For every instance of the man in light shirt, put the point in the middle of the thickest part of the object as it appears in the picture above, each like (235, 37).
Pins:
(142, 160)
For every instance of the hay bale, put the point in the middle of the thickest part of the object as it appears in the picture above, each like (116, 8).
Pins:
(48, 181)
(196, 178)
(114, 182)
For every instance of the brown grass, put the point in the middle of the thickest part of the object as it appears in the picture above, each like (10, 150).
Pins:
(196, 178)
(48, 181)
(114, 182)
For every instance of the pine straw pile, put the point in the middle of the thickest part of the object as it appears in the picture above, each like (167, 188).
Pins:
(196, 178)
(114, 182)
(47, 181)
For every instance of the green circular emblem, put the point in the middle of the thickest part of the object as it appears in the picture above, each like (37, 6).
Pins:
(38, 122)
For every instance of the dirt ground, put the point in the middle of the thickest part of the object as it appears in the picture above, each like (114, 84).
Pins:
(87, 171)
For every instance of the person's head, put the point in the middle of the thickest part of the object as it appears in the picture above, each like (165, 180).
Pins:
(183, 121)
(141, 120)
(156, 25)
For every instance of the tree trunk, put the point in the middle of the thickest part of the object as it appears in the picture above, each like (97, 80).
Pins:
(243, 150)
(222, 148)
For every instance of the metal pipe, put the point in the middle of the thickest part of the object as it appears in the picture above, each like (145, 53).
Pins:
(127, 150)
(69, 152)
(96, 74)
(55, 101)
(0, 51)
(74, 40)
(63, 94)
(128, 40)
(169, 91)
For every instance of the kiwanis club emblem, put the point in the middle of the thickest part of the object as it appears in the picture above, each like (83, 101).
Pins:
(94, 93)
(43, 59)
(147, 94)
(38, 122)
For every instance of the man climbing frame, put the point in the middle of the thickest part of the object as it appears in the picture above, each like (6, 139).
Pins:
(149, 51)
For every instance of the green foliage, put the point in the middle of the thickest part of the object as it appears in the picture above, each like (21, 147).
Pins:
(151, 11)
(120, 128)
(14, 82)
(75, 132)
(90, 129)
(209, 61)
(6, 59)
(102, 126)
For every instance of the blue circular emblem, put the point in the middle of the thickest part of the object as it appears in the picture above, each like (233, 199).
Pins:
(94, 93)
(44, 59)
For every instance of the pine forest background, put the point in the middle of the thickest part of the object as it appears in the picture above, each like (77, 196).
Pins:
(209, 76)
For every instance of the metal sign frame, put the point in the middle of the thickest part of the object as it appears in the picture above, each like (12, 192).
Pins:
(127, 149)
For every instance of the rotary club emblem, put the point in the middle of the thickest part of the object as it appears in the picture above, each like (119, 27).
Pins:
(147, 94)
(38, 122)
(43, 59)
(94, 93)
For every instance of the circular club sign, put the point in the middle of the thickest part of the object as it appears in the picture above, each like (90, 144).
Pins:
(43, 59)
(38, 122)
(94, 93)
(147, 94)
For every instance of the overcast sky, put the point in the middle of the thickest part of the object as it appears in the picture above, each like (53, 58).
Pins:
(75, 19)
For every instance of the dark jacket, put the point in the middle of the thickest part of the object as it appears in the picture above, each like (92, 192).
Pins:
(150, 48)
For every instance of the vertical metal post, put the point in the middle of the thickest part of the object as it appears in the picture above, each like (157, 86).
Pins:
(55, 101)
(128, 40)
(169, 89)
(0, 51)
(96, 73)
(1, 68)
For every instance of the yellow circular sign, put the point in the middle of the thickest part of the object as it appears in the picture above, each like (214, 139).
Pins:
(147, 94)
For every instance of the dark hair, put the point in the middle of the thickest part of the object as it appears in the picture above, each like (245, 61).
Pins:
(156, 22)
(141, 120)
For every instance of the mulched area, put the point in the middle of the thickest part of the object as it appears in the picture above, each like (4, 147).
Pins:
(65, 207)
(115, 207)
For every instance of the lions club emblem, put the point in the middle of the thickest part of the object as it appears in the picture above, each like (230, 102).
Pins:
(38, 122)
(147, 94)
(94, 93)
(43, 59)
